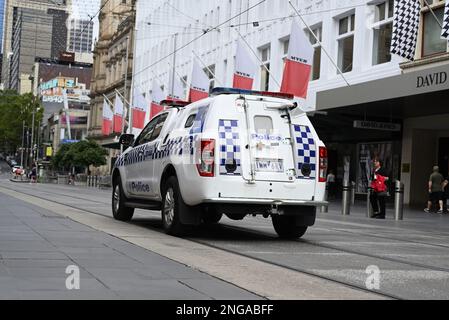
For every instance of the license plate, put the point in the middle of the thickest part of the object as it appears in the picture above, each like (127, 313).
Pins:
(269, 165)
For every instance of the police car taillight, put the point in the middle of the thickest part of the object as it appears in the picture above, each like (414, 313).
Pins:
(207, 158)
(322, 164)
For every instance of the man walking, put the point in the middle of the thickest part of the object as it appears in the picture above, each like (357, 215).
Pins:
(436, 181)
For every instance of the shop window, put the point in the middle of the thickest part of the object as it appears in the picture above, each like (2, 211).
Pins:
(431, 35)
(346, 43)
(382, 32)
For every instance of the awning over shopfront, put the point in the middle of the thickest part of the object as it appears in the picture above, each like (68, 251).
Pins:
(411, 94)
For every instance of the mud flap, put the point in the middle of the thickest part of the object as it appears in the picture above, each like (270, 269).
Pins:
(190, 216)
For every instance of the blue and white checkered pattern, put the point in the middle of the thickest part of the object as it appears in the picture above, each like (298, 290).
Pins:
(229, 142)
(306, 151)
(176, 146)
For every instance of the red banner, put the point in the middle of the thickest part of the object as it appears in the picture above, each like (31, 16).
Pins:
(107, 127)
(117, 123)
(296, 78)
(241, 82)
(196, 95)
(138, 118)
(155, 109)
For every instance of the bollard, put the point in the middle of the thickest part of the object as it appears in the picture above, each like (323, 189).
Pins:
(96, 181)
(324, 209)
(346, 198)
(352, 192)
(369, 208)
(88, 181)
(398, 200)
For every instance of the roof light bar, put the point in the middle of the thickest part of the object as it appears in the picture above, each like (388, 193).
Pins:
(174, 103)
(222, 90)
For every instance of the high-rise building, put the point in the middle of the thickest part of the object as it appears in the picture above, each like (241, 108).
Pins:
(80, 36)
(31, 28)
(2, 13)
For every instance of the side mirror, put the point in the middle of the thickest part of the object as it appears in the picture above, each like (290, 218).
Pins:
(126, 140)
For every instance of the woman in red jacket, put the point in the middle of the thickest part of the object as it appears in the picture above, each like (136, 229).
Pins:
(379, 190)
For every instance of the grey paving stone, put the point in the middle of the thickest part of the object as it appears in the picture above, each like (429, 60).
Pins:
(36, 263)
(39, 255)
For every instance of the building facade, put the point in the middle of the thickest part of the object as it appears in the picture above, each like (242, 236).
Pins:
(31, 28)
(355, 36)
(112, 67)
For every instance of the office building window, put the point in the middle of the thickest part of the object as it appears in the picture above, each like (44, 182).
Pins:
(431, 35)
(264, 69)
(317, 31)
(346, 43)
(382, 31)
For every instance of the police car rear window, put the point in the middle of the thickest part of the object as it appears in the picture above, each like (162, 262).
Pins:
(190, 120)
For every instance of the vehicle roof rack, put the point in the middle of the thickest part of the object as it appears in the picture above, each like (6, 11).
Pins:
(223, 90)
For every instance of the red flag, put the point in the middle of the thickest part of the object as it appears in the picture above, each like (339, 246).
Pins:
(298, 64)
(245, 69)
(199, 86)
(107, 119)
(157, 95)
(118, 114)
(139, 110)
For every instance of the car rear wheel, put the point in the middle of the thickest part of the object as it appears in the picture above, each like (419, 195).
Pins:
(172, 207)
(119, 210)
(286, 228)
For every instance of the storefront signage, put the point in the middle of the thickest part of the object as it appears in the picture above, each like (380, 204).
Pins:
(57, 99)
(374, 125)
(432, 79)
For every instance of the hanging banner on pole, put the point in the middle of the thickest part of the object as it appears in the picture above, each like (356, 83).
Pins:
(108, 117)
(118, 114)
(245, 68)
(157, 95)
(298, 64)
(405, 28)
(199, 86)
(178, 90)
(139, 110)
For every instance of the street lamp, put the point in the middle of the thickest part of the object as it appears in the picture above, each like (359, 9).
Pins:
(32, 134)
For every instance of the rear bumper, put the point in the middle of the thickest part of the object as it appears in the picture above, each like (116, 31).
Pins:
(274, 202)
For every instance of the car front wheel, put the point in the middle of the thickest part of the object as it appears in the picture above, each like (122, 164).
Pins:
(119, 210)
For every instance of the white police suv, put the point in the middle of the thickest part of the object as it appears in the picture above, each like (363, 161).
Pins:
(237, 153)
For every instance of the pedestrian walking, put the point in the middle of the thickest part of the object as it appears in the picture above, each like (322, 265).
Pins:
(33, 174)
(436, 185)
(380, 190)
(331, 184)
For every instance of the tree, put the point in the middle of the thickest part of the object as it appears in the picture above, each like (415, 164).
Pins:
(81, 154)
(14, 110)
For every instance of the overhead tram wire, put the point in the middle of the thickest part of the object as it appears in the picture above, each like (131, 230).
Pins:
(195, 39)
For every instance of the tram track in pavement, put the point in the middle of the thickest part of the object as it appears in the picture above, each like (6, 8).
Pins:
(267, 236)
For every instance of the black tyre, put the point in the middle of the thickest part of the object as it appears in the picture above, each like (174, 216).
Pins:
(286, 228)
(119, 210)
(209, 215)
(173, 206)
